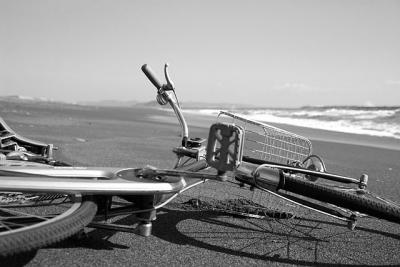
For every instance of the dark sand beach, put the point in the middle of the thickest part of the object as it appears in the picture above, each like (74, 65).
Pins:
(137, 137)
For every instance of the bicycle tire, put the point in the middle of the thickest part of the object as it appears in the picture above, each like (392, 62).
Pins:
(354, 202)
(48, 232)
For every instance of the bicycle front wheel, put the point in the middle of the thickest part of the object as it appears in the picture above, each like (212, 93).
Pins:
(31, 221)
(363, 202)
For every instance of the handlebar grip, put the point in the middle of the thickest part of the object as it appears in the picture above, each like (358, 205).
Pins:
(151, 76)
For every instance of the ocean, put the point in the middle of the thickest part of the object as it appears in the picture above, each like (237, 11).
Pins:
(373, 121)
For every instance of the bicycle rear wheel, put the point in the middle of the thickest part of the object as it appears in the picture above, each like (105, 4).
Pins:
(354, 200)
(31, 221)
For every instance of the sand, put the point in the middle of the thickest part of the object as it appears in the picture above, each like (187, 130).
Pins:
(145, 136)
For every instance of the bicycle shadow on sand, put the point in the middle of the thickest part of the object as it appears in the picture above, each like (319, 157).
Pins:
(298, 241)
(301, 241)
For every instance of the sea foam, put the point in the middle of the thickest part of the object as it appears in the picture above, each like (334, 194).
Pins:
(374, 121)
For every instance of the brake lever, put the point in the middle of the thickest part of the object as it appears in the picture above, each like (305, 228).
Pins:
(163, 96)
(170, 85)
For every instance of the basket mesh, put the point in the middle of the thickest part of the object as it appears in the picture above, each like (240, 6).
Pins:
(263, 142)
(266, 142)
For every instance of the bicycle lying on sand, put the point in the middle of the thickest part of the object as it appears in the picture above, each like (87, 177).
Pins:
(44, 200)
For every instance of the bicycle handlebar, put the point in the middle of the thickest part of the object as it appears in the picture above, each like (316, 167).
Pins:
(151, 76)
(163, 98)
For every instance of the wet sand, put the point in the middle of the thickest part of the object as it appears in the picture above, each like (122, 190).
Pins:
(144, 136)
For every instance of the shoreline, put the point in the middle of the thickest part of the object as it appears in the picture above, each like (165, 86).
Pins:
(25, 112)
(202, 120)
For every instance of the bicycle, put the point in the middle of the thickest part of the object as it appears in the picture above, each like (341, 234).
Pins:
(239, 151)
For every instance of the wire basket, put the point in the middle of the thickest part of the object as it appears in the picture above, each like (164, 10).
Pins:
(261, 141)
(269, 143)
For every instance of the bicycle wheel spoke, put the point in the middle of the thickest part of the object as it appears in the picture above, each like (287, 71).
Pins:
(17, 222)
(24, 210)
(27, 215)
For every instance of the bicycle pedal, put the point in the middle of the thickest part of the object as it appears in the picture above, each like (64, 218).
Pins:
(225, 147)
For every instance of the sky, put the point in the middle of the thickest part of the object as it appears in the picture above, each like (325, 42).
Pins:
(265, 53)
